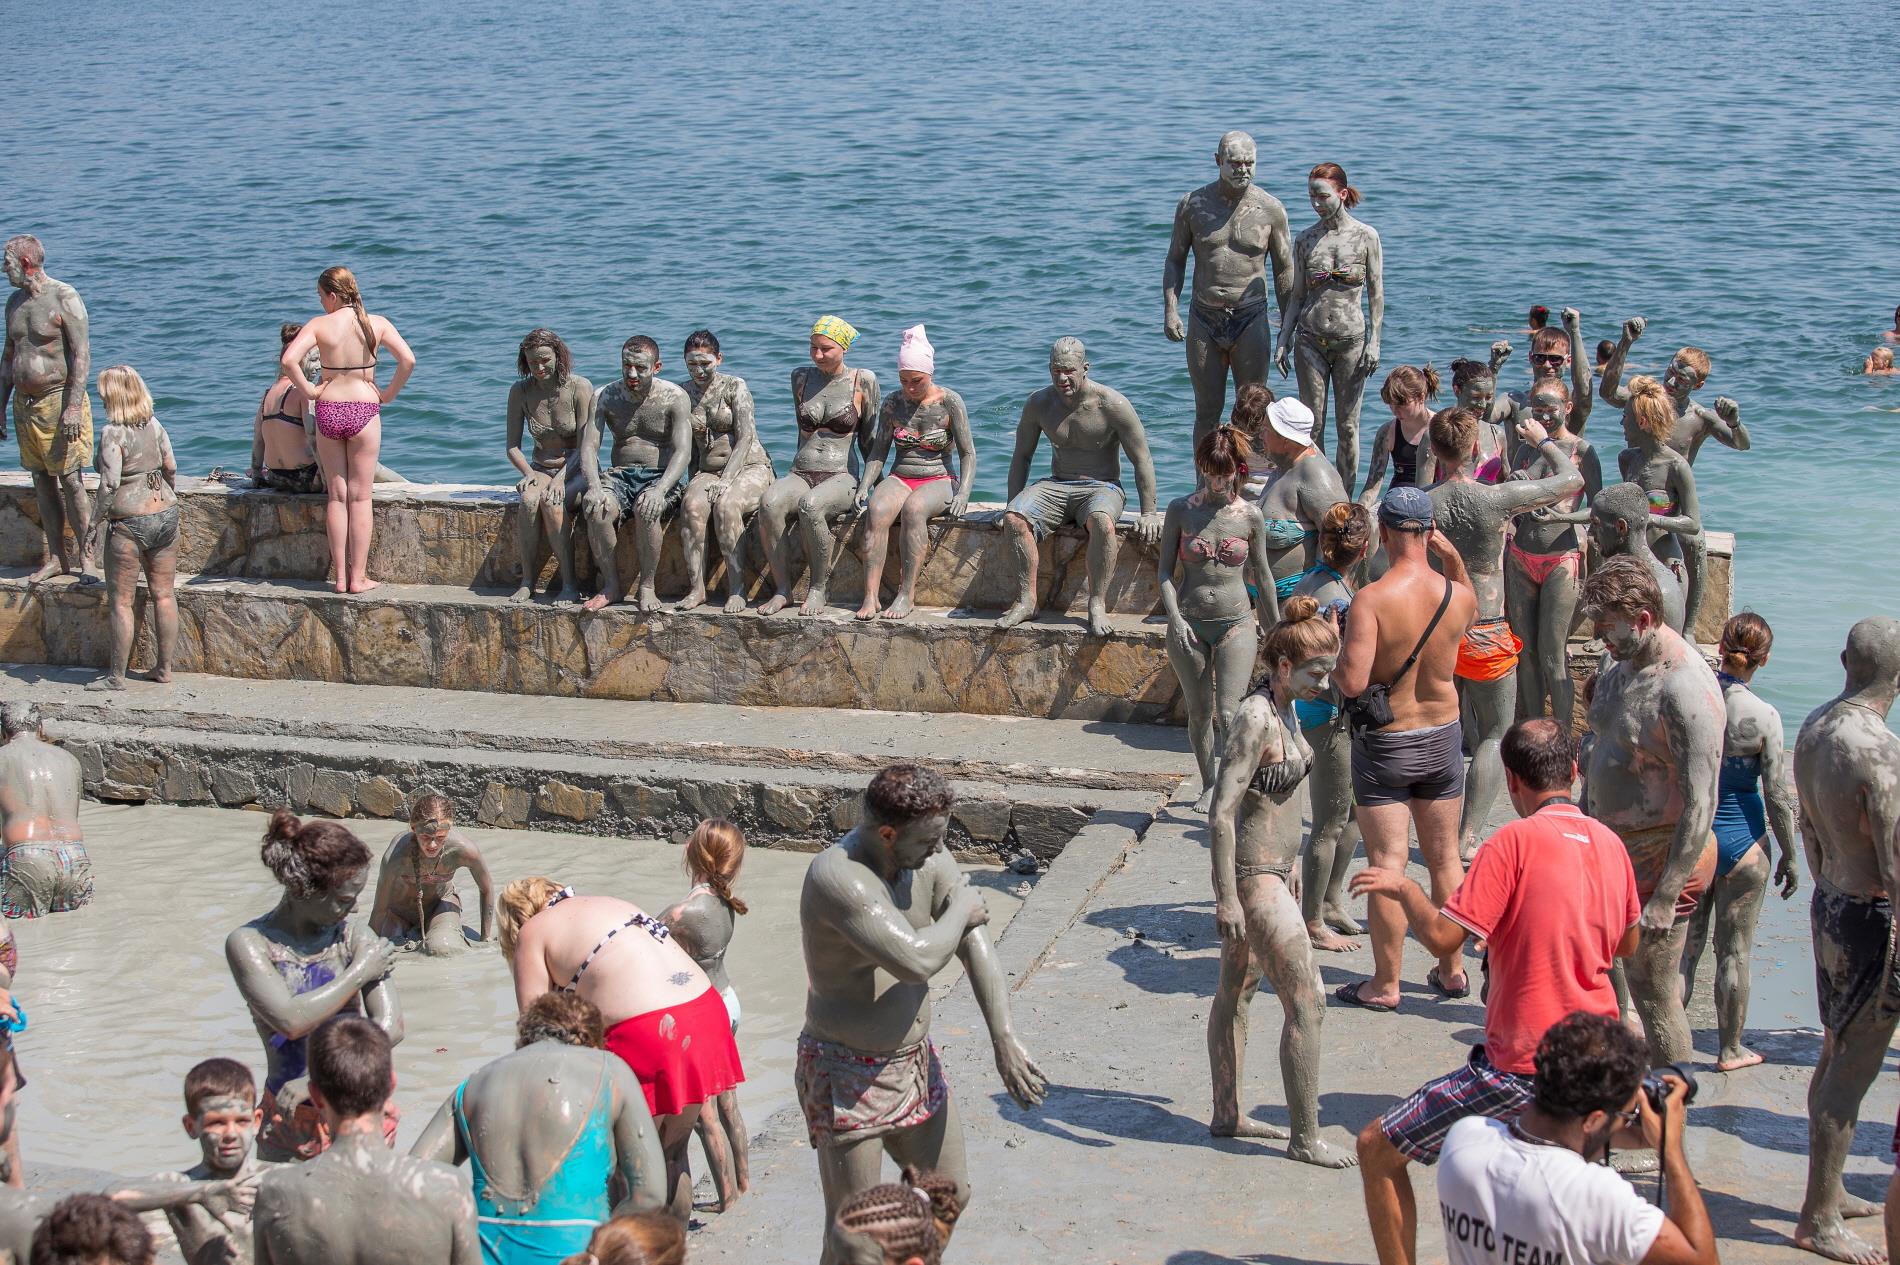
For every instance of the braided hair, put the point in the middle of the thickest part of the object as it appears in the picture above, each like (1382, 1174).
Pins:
(909, 1218)
(714, 853)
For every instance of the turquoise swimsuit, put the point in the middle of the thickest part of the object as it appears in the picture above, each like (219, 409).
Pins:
(1284, 533)
(557, 1221)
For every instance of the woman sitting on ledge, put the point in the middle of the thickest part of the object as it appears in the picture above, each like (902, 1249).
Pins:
(923, 421)
(284, 459)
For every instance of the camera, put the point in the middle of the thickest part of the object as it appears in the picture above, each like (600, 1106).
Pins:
(1656, 1088)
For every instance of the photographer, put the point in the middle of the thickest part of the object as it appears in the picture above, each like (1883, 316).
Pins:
(1530, 1190)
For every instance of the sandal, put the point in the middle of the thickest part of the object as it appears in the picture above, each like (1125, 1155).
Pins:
(1438, 986)
(1349, 995)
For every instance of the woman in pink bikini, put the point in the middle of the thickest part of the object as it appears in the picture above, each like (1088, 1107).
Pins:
(923, 421)
(349, 430)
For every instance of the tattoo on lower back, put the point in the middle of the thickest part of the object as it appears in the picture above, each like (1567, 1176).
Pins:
(682, 978)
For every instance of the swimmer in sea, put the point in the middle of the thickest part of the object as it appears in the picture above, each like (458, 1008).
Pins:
(1754, 765)
(1879, 362)
(415, 888)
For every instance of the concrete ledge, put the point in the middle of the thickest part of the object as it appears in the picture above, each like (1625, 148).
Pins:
(799, 809)
(462, 536)
(453, 639)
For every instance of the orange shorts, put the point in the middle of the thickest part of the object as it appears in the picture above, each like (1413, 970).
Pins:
(1489, 651)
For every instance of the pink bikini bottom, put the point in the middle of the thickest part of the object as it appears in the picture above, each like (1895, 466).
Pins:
(1538, 567)
(914, 484)
(345, 419)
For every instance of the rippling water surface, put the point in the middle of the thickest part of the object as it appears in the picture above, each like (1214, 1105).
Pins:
(1005, 173)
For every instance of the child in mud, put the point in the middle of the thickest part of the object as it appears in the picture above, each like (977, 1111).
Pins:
(415, 889)
(222, 1116)
(703, 924)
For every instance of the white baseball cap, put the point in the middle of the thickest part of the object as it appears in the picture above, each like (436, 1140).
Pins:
(1292, 420)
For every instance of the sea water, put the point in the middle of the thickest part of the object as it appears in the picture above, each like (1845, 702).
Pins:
(1004, 174)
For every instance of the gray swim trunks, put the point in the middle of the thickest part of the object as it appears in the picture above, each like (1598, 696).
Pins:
(1050, 503)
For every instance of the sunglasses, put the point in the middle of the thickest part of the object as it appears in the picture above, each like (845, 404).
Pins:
(1546, 358)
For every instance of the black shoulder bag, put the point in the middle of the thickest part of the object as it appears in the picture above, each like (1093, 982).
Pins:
(1372, 709)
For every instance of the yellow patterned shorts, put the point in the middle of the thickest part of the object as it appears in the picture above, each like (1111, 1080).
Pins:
(43, 449)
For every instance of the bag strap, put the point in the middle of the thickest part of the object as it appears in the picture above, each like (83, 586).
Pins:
(1424, 637)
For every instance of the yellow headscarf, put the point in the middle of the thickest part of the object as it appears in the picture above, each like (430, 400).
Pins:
(837, 329)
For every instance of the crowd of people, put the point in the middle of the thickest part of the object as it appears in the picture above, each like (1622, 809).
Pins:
(1356, 663)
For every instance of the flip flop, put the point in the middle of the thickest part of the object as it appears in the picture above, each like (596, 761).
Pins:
(1349, 995)
(1431, 978)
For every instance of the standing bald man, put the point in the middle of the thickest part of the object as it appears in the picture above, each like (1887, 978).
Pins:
(1232, 226)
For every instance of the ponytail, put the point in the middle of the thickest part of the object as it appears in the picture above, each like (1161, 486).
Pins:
(341, 283)
(714, 853)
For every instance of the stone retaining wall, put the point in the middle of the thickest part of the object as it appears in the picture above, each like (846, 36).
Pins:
(463, 537)
(504, 791)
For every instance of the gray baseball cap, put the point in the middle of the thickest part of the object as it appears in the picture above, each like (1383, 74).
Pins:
(1406, 509)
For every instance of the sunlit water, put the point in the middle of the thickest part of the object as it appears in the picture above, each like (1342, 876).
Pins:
(1005, 173)
(124, 996)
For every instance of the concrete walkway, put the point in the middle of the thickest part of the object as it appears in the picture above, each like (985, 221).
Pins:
(1117, 1166)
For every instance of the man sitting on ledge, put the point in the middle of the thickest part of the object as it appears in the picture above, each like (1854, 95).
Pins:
(1089, 426)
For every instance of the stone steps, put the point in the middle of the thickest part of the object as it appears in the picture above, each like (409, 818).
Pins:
(789, 777)
(452, 638)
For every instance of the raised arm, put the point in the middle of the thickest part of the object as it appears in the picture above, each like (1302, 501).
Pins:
(1519, 495)
(1174, 273)
(1611, 388)
(297, 1015)
(1776, 791)
(1579, 371)
(1245, 750)
(862, 913)
(1028, 434)
(1725, 425)
(637, 1155)
(405, 359)
(964, 442)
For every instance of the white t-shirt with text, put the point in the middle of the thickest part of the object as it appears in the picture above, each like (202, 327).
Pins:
(1506, 1201)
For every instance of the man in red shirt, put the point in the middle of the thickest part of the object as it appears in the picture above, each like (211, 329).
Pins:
(1554, 898)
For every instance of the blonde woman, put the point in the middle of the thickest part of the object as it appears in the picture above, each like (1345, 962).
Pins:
(663, 1015)
(349, 407)
(137, 509)
(1649, 419)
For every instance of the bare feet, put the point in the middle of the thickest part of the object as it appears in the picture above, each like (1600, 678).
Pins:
(898, 609)
(45, 570)
(106, 683)
(1854, 1206)
(1319, 1154)
(1341, 921)
(774, 604)
(1246, 1128)
(692, 601)
(1741, 1056)
(161, 676)
(523, 594)
(1015, 615)
(866, 611)
(647, 601)
(364, 586)
(1326, 940)
(597, 602)
(1830, 1237)
(734, 605)
(1206, 801)
(341, 586)
(814, 603)
(1098, 618)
